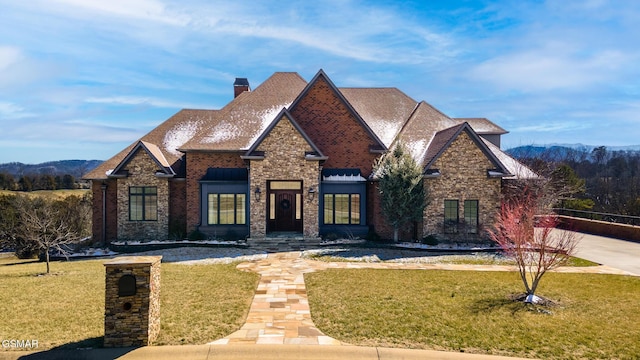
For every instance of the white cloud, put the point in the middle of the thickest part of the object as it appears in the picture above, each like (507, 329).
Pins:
(12, 111)
(356, 31)
(549, 70)
(146, 10)
(551, 127)
(72, 131)
(9, 55)
(141, 100)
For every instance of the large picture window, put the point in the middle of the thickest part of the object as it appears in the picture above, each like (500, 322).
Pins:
(471, 215)
(450, 216)
(342, 209)
(143, 203)
(226, 209)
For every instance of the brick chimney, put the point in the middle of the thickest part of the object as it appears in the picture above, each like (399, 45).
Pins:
(239, 86)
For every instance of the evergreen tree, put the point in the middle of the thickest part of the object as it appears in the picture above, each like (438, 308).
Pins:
(402, 192)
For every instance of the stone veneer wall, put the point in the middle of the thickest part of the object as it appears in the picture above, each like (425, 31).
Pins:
(142, 170)
(132, 320)
(284, 150)
(463, 168)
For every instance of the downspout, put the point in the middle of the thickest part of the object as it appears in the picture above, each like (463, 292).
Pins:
(104, 213)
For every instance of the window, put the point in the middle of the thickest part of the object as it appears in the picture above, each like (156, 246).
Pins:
(226, 209)
(143, 203)
(342, 209)
(471, 216)
(450, 216)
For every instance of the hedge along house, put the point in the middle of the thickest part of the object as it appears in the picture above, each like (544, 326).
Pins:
(296, 158)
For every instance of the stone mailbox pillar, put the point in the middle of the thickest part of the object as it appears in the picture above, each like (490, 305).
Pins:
(132, 301)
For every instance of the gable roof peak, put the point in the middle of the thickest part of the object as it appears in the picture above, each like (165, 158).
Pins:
(284, 113)
(321, 74)
(444, 138)
(153, 151)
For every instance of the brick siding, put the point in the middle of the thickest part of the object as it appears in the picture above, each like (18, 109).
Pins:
(196, 167)
(111, 210)
(334, 129)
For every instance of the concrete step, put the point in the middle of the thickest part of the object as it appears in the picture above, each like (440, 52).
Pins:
(283, 243)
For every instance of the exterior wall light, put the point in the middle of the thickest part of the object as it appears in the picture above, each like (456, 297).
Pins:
(257, 192)
(312, 193)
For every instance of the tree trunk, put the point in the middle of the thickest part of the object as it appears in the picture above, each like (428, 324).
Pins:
(395, 234)
(47, 257)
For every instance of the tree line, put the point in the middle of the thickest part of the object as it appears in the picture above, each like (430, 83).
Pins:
(600, 180)
(37, 182)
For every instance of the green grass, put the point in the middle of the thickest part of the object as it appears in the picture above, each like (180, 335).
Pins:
(202, 303)
(198, 303)
(457, 259)
(597, 316)
(578, 262)
(573, 261)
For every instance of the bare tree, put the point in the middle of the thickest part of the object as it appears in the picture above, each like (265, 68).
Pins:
(533, 241)
(48, 224)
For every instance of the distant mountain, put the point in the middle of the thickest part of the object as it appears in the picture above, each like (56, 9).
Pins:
(563, 151)
(590, 148)
(77, 168)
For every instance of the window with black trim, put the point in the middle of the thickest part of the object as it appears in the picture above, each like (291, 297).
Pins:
(471, 215)
(143, 203)
(342, 209)
(451, 216)
(226, 209)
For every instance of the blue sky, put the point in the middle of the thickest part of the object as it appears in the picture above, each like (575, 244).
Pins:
(82, 79)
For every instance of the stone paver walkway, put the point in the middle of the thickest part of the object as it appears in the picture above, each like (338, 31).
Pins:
(280, 313)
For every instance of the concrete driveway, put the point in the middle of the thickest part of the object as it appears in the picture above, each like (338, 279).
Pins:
(620, 254)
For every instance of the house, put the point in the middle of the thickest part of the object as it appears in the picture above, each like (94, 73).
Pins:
(296, 157)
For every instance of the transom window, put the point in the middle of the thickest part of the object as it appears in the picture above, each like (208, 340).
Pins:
(226, 209)
(285, 185)
(342, 208)
(143, 203)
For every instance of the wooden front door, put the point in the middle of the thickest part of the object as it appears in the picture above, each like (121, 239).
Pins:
(285, 207)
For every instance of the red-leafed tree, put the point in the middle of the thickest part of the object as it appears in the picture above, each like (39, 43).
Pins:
(532, 240)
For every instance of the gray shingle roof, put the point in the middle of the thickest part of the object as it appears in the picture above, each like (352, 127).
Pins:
(483, 126)
(389, 114)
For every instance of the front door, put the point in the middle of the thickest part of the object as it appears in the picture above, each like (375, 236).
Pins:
(285, 206)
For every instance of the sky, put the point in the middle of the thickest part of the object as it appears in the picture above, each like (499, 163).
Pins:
(82, 79)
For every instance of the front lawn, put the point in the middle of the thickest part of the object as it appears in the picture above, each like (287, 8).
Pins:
(199, 303)
(597, 316)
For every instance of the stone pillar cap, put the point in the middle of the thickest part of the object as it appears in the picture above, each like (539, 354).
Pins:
(133, 260)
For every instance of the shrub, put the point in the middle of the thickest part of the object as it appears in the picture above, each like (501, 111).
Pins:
(430, 240)
(197, 235)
